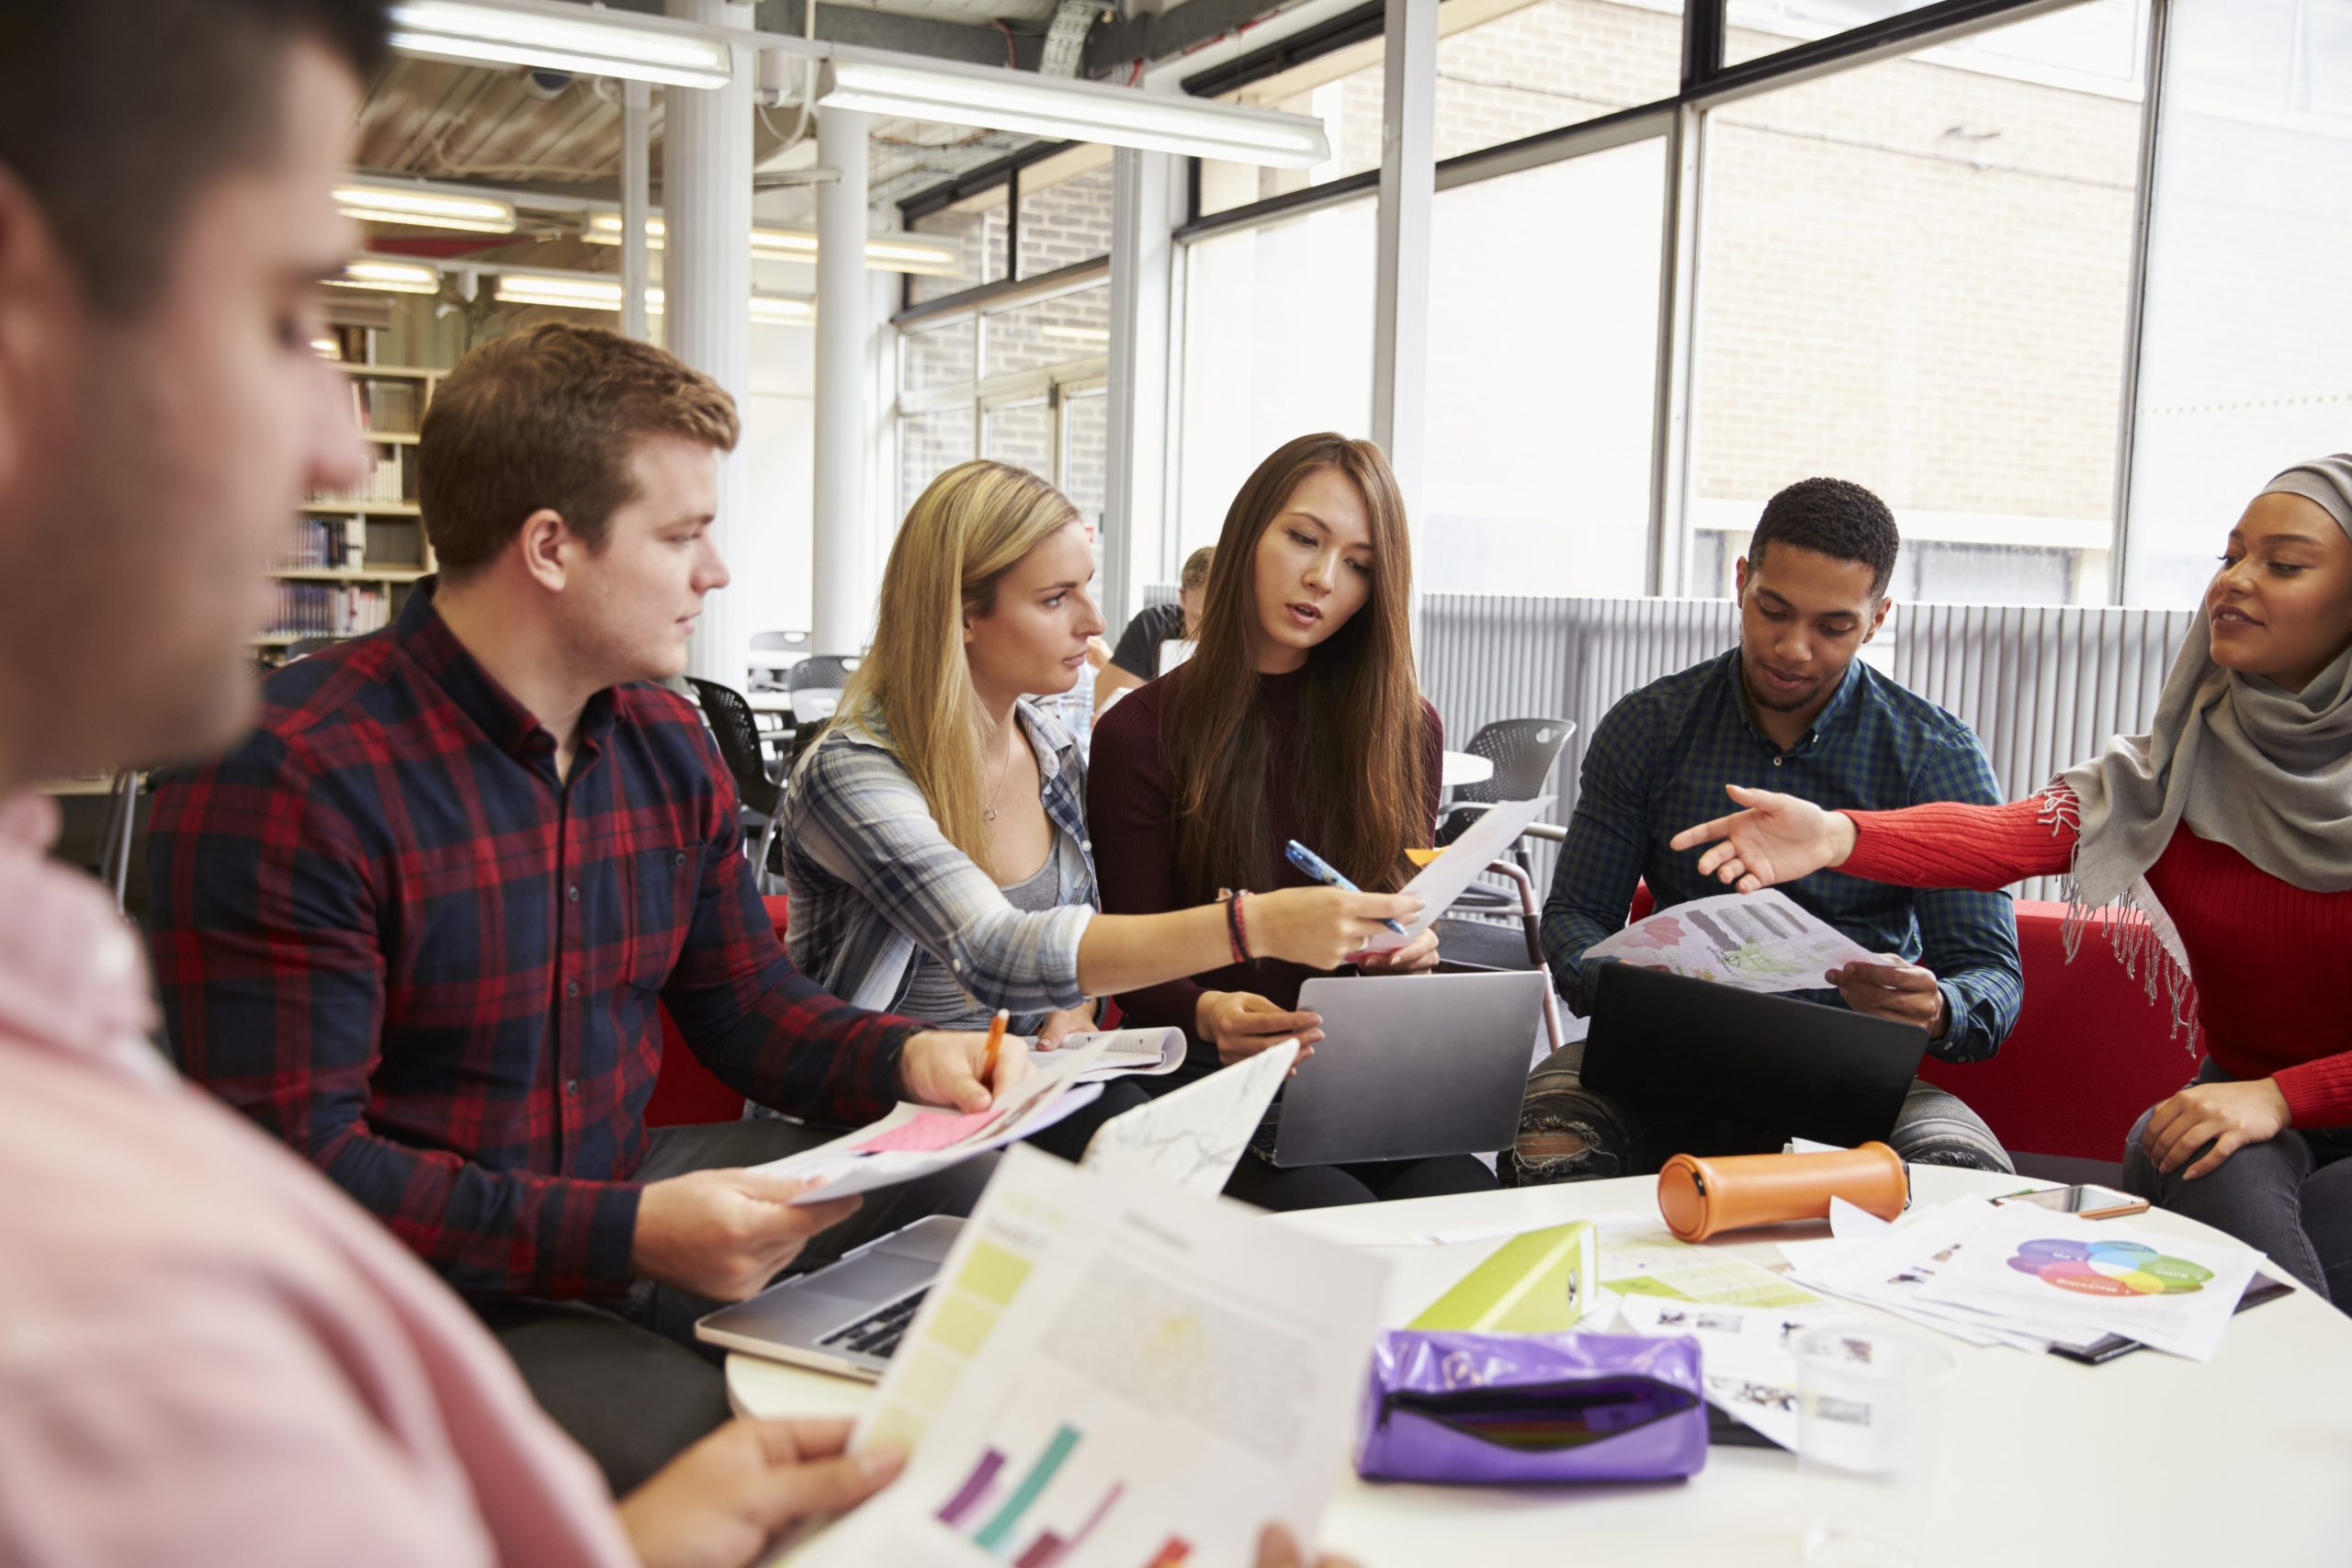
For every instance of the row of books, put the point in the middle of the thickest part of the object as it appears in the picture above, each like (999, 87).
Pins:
(390, 406)
(339, 542)
(326, 609)
(387, 482)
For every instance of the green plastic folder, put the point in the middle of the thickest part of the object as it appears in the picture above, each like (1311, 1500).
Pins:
(1534, 1283)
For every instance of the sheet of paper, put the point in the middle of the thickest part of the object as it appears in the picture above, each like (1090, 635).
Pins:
(913, 1140)
(1850, 1222)
(923, 1132)
(843, 1172)
(1640, 1256)
(1744, 1357)
(1194, 1136)
(2168, 1292)
(1148, 1052)
(1447, 877)
(1757, 941)
(1892, 1270)
(1114, 1374)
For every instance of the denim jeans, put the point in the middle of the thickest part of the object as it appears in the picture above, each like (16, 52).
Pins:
(2291, 1197)
(1568, 1132)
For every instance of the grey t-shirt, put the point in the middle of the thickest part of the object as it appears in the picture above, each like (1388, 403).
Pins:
(934, 997)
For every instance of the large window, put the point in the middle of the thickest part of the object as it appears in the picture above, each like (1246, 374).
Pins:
(1504, 69)
(1754, 28)
(1917, 275)
(977, 229)
(1542, 376)
(2245, 357)
(1002, 381)
(1277, 342)
(1065, 210)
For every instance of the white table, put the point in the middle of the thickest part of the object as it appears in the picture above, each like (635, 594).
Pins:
(1459, 768)
(2245, 1460)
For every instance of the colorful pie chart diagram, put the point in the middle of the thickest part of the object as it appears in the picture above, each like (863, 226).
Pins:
(2109, 1267)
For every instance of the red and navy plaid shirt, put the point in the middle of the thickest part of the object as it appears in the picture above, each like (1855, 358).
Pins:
(390, 934)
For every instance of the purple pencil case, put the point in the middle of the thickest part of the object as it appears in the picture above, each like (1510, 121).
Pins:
(1498, 1408)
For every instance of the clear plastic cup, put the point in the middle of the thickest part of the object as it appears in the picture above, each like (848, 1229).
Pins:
(1872, 1423)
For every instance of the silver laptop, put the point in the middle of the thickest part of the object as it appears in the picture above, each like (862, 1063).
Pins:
(1409, 1065)
(849, 1316)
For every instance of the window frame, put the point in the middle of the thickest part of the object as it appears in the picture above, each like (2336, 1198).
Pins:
(1707, 83)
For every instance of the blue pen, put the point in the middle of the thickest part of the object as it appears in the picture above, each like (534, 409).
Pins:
(1308, 861)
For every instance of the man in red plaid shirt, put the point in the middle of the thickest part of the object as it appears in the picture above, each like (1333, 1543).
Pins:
(420, 925)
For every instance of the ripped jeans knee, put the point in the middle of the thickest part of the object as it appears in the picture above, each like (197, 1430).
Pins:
(1567, 1134)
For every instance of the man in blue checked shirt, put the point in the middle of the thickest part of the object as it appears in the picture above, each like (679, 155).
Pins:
(1791, 709)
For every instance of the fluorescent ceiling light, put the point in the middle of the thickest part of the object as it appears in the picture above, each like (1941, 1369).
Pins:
(883, 253)
(595, 43)
(781, 310)
(575, 293)
(580, 292)
(999, 99)
(425, 209)
(389, 278)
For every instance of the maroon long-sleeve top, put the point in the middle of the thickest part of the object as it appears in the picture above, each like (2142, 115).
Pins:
(1130, 808)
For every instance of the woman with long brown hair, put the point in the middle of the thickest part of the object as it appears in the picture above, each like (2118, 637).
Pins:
(1298, 716)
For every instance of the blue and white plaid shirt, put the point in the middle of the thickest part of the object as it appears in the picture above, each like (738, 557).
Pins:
(1659, 763)
(873, 881)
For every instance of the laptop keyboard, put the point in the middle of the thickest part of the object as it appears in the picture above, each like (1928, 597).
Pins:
(878, 1332)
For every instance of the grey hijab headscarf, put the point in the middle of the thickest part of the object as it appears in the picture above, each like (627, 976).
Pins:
(2239, 759)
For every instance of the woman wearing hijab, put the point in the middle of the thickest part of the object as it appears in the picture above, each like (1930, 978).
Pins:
(2229, 826)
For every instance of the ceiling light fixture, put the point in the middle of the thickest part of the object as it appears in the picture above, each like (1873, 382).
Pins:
(388, 278)
(998, 99)
(883, 253)
(594, 43)
(582, 291)
(425, 209)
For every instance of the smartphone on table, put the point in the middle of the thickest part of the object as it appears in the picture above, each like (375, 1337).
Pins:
(2088, 1200)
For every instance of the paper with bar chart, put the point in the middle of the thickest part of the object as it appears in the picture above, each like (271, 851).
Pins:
(916, 1140)
(1165, 1374)
(1757, 941)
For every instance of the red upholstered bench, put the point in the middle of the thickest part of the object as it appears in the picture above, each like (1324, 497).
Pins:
(687, 1093)
(2089, 1052)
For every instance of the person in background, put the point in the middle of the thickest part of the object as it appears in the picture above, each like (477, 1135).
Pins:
(1137, 659)
(935, 845)
(2217, 849)
(423, 924)
(1298, 716)
(1795, 706)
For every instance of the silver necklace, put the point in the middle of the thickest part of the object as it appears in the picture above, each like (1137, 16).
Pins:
(1004, 772)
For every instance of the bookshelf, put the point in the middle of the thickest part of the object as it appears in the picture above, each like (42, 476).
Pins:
(356, 553)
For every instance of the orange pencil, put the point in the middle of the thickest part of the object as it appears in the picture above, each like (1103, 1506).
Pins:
(996, 1043)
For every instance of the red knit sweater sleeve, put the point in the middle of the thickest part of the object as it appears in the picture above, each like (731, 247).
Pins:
(2318, 1092)
(1946, 844)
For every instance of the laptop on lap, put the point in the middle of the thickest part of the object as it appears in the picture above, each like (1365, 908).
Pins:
(1410, 1067)
(1762, 1068)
